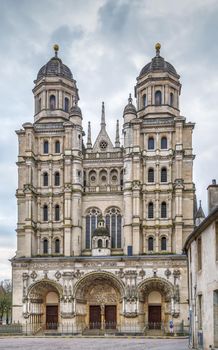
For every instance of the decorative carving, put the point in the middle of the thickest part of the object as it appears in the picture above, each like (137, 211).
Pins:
(45, 274)
(130, 293)
(103, 294)
(120, 273)
(142, 273)
(167, 273)
(26, 315)
(57, 275)
(176, 275)
(68, 274)
(176, 293)
(33, 275)
(155, 272)
(78, 274)
(25, 276)
(130, 314)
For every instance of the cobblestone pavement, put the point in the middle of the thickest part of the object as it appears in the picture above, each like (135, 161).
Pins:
(92, 344)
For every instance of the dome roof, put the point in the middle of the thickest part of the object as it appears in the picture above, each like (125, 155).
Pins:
(101, 231)
(130, 108)
(75, 110)
(55, 67)
(158, 64)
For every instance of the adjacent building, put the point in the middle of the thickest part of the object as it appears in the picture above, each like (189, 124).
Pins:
(202, 250)
(101, 226)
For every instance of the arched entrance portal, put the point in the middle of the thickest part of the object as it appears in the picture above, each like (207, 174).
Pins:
(98, 299)
(44, 303)
(156, 295)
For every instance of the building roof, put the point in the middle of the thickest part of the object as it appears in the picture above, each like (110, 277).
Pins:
(200, 212)
(101, 231)
(158, 64)
(199, 229)
(130, 108)
(55, 67)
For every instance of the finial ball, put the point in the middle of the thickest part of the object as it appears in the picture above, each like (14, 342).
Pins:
(158, 46)
(56, 47)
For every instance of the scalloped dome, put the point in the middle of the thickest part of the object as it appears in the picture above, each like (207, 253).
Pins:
(101, 231)
(55, 67)
(130, 108)
(158, 64)
(75, 110)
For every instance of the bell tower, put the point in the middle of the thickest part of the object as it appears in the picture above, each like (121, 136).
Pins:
(158, 88)
(55, 90)
(50, 167)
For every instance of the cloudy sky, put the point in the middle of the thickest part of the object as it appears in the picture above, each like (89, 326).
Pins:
(105, 43)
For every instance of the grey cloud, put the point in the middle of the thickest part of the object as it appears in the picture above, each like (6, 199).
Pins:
(106, 43)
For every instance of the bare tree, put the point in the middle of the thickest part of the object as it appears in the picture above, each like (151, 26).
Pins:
(5, 300)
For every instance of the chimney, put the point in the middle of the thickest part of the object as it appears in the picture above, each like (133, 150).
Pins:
(212, 191)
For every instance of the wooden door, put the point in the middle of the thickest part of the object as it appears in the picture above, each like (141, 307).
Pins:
(95, 317)
(154, 316)
(51, 316)
(110, 316)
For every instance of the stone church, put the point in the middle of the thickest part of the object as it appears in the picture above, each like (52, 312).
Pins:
(101, 225)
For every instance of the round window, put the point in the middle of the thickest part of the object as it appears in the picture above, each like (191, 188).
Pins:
(93, 178)
(103, 144)
(103, 178)
(114, 178)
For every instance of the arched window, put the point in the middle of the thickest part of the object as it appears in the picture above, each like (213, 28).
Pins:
(57, 147)
(163, 243)
(121, 178)
(107, 244)
(57, 246)
(45, 147)
(151, 243)
(163, 144)
(163, 210)
(84, 180)
(45, 212)
(113, 221)
(163, 177)
(158, 98)
(92, 178)
(100, 243)
(57, 212)
(45, 246)
(45, 179)
(150, 143)
(171, 99)
(57, 178)
(150, 175)
(52, 102)
(91, 224)
(66, 104)
(150, 210)
(144, 97)
(39, 105)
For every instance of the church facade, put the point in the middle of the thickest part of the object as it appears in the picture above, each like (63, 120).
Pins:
(101, 226)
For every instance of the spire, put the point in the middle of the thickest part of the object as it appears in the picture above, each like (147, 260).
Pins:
(117, 140)
(157, 47)
(103, 124)
(89, 140)
(130, 99)
(200, 216)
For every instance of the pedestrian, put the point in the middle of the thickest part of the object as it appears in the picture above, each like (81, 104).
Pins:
(171, 327)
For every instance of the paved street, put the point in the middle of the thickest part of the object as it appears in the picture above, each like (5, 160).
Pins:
(92, 344)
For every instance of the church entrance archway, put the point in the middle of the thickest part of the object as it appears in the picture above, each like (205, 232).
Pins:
(44, 304)
(98, 298)
(155, 297)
